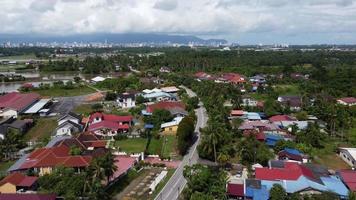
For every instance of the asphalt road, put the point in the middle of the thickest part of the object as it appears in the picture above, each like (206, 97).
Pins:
(177, 182)
(67, 104)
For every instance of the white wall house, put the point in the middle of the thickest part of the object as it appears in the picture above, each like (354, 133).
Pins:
(348, 155)
(7, 113)
(126, 100)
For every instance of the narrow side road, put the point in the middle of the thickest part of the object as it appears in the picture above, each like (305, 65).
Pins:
(177, 182)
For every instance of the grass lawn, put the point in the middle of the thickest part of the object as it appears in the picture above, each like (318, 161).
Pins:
(5, 165)
(58, 92)
(351, 135)
(133, 145)
(169, 146)
(258, 96)
(43, 127)
(83, 109)
(155, 146)
(328, 157)
(332, 161)
(19, 57)
(287, 89)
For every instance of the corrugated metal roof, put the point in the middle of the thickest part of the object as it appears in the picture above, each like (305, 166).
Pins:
(37, 106)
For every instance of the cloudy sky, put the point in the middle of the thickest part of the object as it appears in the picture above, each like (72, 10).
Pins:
(243, 21)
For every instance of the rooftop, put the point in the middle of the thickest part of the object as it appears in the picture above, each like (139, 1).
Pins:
(18, 101)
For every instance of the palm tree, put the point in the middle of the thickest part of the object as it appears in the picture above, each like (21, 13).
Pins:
(108, 165)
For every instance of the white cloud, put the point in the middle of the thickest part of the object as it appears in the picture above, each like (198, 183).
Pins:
(234, 19)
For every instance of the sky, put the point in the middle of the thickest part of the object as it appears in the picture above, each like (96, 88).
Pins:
(241, 21)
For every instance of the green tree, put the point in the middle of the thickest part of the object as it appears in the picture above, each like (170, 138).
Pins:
(277, 192)
(185, 134)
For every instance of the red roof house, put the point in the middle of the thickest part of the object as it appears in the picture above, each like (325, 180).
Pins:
(109, 125)
(27, 197)
(235, 190)
(349, 178)
(237, 113)
(291, 171)
(233, 78)
(18, 101)
(349, 101)
(278, 118)
(18, 180)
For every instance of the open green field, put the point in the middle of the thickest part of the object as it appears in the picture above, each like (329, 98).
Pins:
(287, 89)
(133, 145)
(58, 92)
(20, 57)
(327, 156)
(44, 127)
(163, 146)
(84, 109)
(169, 145)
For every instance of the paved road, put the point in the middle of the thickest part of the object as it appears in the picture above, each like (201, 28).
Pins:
(176, 183)
(67, 104)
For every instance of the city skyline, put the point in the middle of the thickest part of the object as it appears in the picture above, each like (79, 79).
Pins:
(245, 22)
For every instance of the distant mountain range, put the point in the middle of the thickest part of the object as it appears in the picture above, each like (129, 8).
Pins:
(124, 38)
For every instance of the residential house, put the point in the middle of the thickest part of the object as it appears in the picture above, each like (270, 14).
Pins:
(109, 125)
(97, 79)
(349, 178)
(347, 101)
(200, 76)
(157, 95)
(73, 117)
(260, 79)
(165, 69)
(237, 114)
(69, 124)
(27, 197)
(126, 100)
(68, 128)
(289, 154)
(44, 160)
(348, 155)
(293, 102)
(249, 102)
(176, 108)
(232, 78)
(279, 118)
(235, 190)
(8, 113)
(170, 128)
(21, 126)
(170, 90)
(300, 178)
(18, 101)
(38, 106)
(18, 182)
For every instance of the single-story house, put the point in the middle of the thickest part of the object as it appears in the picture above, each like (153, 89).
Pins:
(349, 178)
(170, 89)
(170, 128)
(293, 102)
(17, 181)
(301, 178)
(289, 154)
(347, 101)
(97, 79)
(18, 101)
(109, 125)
